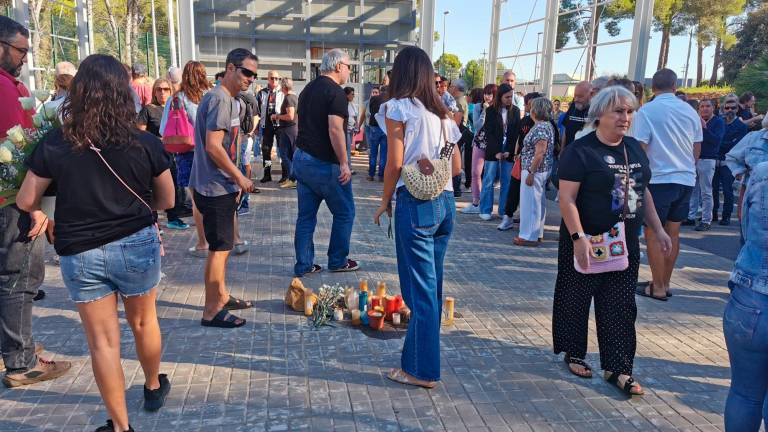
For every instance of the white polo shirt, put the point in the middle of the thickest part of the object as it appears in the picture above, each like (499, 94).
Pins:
(669, 127)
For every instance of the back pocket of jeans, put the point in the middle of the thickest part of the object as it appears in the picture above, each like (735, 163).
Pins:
(740, 322)
(140, 255)
(424, 214)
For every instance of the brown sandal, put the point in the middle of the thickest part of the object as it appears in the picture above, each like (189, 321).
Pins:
(399, 375)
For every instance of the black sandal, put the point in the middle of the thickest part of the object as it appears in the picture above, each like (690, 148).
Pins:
(235, 303)
(630, 383)
(223, 319)
(577, 361)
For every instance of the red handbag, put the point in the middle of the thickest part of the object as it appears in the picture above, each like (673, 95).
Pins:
(517, 169)
(179, 134)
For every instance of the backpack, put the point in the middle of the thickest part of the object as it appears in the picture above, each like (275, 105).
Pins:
(179, 134)
(246, 124)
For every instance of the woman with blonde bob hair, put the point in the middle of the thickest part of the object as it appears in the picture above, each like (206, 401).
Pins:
(604, 179)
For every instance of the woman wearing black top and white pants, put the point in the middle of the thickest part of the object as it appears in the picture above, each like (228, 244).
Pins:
(593, 189)
(109, 177)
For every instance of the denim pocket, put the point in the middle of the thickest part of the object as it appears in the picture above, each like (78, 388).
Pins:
(424, 214)
(139, 255)
(739, 322)
(72, 267)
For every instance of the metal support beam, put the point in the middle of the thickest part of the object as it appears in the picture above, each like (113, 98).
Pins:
(641, 35)
(548, 48)
(172, 34)
(84, 31)
(187, 45)
(427, 27)
(21, 15)
(493, 47)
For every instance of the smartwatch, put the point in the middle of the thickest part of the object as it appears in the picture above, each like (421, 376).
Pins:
(577, 235)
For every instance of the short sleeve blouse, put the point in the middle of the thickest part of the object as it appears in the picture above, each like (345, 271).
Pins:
(422, 137)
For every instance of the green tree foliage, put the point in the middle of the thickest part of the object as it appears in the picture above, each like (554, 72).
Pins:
(753, 78)
(710, 18)
(751, 45)
(448, 65)
(474, 73)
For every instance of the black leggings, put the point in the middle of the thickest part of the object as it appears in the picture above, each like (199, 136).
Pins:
(615, 311)
(513, 197)
(267, 140)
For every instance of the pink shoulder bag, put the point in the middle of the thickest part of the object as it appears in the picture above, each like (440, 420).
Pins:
(608, 251)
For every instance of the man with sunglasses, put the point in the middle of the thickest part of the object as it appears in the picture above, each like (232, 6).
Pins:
(269, 100)
(22, 269)
(735, 130)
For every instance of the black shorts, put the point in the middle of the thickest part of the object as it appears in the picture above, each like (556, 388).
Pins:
(671, 201)
(218, 220)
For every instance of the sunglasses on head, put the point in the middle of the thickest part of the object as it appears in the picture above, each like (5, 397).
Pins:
(247, 72)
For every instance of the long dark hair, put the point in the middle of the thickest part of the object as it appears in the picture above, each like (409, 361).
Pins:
(413, 78)
(501, 91)
(100, 108)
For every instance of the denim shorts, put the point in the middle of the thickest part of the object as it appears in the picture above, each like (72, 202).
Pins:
(129, 266)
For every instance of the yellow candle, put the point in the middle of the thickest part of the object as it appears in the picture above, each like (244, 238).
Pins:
(363, 285)
(449, 307)
(308, 302)
(355, 317)
(381, 290)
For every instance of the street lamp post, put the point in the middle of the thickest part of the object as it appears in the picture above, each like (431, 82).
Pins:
(445, 13)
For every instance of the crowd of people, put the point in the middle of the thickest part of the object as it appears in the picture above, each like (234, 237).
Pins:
(622, 169)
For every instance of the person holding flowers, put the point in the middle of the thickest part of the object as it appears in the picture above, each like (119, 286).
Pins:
(21, 254)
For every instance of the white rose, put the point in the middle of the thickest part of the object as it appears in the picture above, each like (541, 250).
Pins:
(50, 111)
(5, 155)
(9, 145)
(41, 95)
(27, 103)
(38, 120)
(16, 135)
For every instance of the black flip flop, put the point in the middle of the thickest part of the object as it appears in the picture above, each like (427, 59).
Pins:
(647, 284)
(641, 292)
(573, 360)
(235, 303)
(223, 319)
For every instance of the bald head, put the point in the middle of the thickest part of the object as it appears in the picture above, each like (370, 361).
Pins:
(582, 94)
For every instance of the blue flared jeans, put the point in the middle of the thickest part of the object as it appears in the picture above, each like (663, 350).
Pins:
(422, 231)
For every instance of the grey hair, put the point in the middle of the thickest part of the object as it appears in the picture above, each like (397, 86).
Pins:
(331, 59)
(606, 99)
(286, 83)
(600, 82)
(541, 108)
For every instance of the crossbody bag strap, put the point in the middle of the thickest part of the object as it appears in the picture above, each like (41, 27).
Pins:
(626, 184)
(447, 150)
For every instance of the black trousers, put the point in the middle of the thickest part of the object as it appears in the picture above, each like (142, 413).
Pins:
(467, 164)
(267, 141)
(180, 209)
(615, 310)
(513, 197)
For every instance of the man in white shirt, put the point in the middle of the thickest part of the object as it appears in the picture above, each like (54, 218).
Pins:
(511, 79)
(671, 134)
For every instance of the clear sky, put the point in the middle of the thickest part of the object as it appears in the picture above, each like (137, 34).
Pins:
(468, 30)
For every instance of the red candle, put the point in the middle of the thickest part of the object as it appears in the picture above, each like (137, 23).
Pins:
(375, 301)
(390, 307)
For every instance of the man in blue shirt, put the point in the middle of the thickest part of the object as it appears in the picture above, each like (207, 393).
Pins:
(713, 128)
(734, 132)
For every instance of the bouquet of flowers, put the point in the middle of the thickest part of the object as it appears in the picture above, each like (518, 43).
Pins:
(327, 297)
(20, 143)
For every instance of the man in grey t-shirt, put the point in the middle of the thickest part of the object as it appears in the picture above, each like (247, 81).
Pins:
(218, 183)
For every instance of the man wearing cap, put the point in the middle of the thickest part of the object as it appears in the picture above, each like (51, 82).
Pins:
(140, 84)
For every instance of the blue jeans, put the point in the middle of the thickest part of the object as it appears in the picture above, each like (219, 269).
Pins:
(377, 148)
(724, 178)
(318, 181)
(491, 170)
(350, 136)
(745, 326)
(286, 138)
(422, 231)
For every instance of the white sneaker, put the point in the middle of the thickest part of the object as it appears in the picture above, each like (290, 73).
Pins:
(506, 224)
(485, 217)
(470, 209)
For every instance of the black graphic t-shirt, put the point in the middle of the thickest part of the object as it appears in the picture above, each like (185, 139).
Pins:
(574, 121)
(601, 171)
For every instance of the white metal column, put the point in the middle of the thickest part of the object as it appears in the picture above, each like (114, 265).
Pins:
(427, 26)
(187, 45)
(172, 34)
(493, 47)
(21, 15)
(85, 42)
(548, 48)
(641, 35)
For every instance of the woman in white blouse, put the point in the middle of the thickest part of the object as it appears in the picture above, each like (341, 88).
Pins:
(418, 126)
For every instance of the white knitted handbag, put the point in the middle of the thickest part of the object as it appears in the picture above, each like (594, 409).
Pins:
(426, 179)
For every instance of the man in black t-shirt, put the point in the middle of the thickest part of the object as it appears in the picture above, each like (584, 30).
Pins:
(578, 112)
(321, 167)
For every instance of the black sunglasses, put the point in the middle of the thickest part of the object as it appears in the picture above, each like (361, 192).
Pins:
(23, 51)
(247, 72)
(729, 108)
